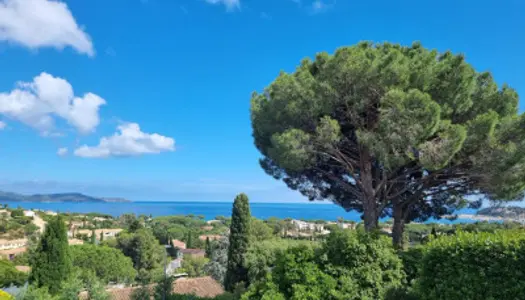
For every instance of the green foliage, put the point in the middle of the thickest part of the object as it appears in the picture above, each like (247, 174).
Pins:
(364, 261)
(164, 288)
(262, 255)
(208, 247)
(349, 265)
(35, 293)
(9, 275)
(239, 242)
(144, 250)
(411, 262)
(19, 212)
(93, 237)
(109, 264)
(218, 263)
(194, 266)
(51, 261)
(141, 293)
(259, 230)
(468, 265)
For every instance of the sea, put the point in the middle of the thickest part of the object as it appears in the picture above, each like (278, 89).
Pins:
(210, 210)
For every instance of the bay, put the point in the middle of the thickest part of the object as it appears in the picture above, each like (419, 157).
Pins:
(304, 211)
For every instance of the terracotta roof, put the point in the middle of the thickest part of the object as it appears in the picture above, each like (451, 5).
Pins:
(13, 251)
(211, 236)
(201, 287)
(178, 244)
(25, 269)
(192, 251)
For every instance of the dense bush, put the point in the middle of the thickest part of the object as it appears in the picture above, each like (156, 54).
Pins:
(9, 275)
(225, 296)
(411, 262)
(474, 266)
(109, 264)
(350, 265)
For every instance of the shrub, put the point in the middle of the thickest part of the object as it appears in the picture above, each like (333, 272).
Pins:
(473, 266)
(411, 262)
(350, 265)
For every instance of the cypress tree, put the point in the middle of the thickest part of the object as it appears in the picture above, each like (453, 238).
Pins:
(189, 241)
(51, 262)
(208, 247)
(93, 237)
(239, 241)
(101, 236)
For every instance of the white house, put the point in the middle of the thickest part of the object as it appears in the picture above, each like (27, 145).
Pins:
(29, 213)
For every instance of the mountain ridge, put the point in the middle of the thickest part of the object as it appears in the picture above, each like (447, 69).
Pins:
(58, 197)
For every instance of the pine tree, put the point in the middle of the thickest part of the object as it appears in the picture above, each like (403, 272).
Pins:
(93, 237)
(51, 263)
(208, 247)
(239, 242)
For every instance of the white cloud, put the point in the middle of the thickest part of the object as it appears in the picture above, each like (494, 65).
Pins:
(319, 6)
(230, 4)
(128, 141)
(62, 151)
(42, 23)
(37, 103)
(2, 125)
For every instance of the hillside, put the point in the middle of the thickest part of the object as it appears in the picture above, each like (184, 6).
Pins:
(511, 212)
(61, 197)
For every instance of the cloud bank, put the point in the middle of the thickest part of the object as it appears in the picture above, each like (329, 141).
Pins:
(42, 23)
(40, 102)
(128, 141)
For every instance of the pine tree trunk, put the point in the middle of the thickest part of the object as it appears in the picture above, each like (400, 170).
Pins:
(370, 216)
(398, 228)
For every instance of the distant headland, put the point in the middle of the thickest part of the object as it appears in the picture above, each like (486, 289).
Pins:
(60, 197)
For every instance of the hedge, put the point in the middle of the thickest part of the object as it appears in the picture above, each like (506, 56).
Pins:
(472, 266)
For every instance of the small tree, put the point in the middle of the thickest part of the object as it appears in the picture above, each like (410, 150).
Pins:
(239, 243)
(189, 240)
(51, 262)
(208, 247)
(164, 288)
(101, 236)
(93, 237)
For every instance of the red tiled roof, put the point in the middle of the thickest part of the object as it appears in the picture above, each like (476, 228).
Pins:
(201, 287)
(211, 236)
(179, 244)
(193, 251)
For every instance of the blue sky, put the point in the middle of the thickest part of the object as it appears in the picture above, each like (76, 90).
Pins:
(153, 95)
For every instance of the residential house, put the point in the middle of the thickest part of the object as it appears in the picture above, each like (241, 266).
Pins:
(200, 287)
(207, 228)
(178, 244)
(29, 213)
(173, 266)
(212, 237)
(107, 232)
(193, 252)
(12, 244)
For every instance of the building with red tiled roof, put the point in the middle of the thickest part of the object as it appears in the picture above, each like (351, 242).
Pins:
(200, 287)
(178, 244)
(193, 252)
(212, 237)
